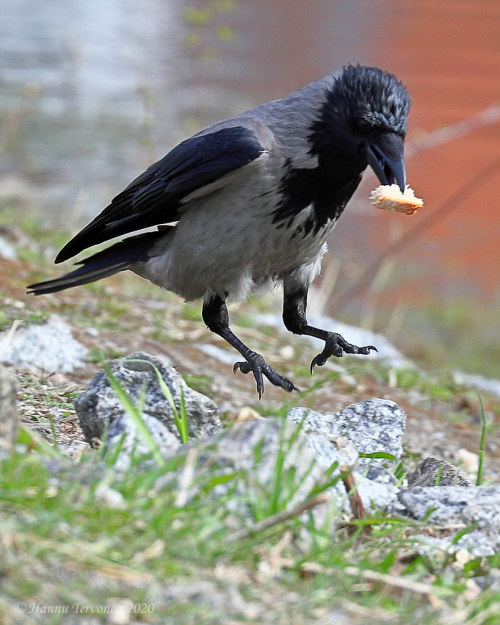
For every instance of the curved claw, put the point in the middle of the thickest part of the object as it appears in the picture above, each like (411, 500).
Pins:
(288, 386)
(259, 367)
(244, 367)
(314, 362)
(336, 345)
(364, 351)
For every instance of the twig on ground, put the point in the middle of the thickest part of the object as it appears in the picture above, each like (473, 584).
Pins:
(280, 517)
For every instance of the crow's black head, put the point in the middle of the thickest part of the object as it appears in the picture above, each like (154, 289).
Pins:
(364, 121)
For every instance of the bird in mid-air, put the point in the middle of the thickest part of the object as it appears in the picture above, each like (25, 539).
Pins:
(250, 201)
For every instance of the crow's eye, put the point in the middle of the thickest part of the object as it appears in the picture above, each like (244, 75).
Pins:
(362, 126)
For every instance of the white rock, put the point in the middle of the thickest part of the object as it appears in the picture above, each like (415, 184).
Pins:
(43, 347)
(7, 250)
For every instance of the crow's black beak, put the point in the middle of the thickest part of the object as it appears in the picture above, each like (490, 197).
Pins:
(387, 169)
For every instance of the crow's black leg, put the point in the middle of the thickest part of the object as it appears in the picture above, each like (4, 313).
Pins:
(295, 320)
(216, 317)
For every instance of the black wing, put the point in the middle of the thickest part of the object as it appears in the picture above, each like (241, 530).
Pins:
(155, 196)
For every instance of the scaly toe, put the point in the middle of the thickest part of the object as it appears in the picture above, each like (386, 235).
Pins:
(288, 386)
(364, 351)
(336, 345)
(258, 366)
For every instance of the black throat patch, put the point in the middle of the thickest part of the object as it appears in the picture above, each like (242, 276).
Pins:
(318, 187)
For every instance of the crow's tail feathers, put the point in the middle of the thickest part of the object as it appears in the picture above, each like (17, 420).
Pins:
(120, 256)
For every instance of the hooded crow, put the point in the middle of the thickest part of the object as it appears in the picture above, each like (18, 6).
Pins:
(250, 201)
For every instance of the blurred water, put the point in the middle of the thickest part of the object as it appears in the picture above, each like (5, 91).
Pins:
(79, 74)
(91, 92)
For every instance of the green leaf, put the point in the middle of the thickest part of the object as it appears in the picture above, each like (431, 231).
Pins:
(378, 454)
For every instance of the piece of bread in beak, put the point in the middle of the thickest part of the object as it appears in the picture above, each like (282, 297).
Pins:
(389, 198)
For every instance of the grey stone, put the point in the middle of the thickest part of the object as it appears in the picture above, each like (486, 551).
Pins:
(476, 543)
(46, 347)
(458, 507)
(330, 449)
(444, 505)
(376, 496)
(371, 426)
(99, 408)
(123, 432)
(433, 472)
(9, 420)
(375, 425)
(276, 456)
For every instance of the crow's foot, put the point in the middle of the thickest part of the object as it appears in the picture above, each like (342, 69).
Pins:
(259, 367)
(336, 345)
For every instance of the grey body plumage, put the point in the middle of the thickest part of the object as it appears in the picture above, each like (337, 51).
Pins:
(253, 198)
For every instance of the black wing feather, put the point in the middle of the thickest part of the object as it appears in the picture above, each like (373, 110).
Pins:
(155, 196)
(120, 256)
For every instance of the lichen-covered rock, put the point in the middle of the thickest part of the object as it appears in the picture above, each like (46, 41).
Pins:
(371, 426)
(459, 507)
(375, 425)
(99, 409)
(433, 472)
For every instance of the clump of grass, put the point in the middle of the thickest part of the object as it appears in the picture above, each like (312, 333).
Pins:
(76, 535)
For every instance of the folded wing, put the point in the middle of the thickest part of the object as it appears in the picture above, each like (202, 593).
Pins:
(155, 197)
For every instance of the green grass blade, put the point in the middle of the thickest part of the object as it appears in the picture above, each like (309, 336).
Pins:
(181, 420)
(30, 438)
(378, 454)
(136, 417)
(482, 443)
